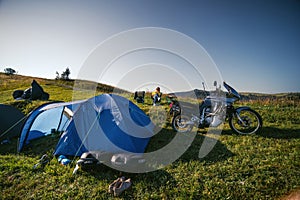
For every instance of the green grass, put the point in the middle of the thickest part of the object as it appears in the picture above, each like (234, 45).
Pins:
(261, 166)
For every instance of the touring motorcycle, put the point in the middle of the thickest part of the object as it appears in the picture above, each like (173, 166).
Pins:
(213, 111)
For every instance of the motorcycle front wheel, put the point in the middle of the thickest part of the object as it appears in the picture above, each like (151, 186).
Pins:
(247, 121)
(181, 124)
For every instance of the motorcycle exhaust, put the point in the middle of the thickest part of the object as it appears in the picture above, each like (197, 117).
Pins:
(189, 123)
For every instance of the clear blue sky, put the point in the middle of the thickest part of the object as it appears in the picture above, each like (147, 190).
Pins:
(255, 44)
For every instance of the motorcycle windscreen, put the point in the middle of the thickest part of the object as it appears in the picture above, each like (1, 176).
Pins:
(232, 91)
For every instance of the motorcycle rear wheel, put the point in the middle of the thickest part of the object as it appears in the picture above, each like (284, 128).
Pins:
(251, 122)
(180, 124)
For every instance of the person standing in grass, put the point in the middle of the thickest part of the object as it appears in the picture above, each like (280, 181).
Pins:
(156, 96)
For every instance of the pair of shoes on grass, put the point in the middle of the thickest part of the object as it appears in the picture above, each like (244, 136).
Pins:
(119, 185)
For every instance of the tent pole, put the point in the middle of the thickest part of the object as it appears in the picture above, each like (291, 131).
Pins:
(61, 116)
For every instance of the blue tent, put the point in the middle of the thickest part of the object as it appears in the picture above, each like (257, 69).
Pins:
(106, 122)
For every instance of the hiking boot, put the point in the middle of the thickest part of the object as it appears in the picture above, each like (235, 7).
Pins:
(116, 183)
(119, 188)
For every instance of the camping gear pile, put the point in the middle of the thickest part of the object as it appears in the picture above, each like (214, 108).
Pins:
(90, 159)
(35, 92)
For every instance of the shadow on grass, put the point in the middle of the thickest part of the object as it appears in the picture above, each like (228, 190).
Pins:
(271, 132)
(280, 133)
(219, 152)
(216, 150)
(151, 181)
(141, 182)
(211, 148)
(36, 147)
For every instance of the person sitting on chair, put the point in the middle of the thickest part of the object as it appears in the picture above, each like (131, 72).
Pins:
(156, 96)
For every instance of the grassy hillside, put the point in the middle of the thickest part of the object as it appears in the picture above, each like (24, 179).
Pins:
(59, 90)
(262, 166)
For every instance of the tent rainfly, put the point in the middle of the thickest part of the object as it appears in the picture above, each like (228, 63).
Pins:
(106, 122)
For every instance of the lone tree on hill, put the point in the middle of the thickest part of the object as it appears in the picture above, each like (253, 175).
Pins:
(64, 75)
(9, 71)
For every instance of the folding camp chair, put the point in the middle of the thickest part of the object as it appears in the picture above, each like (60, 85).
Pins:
(139, 96)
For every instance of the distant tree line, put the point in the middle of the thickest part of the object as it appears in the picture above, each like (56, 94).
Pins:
(287, 96)
(64, 75)
(9, 71)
